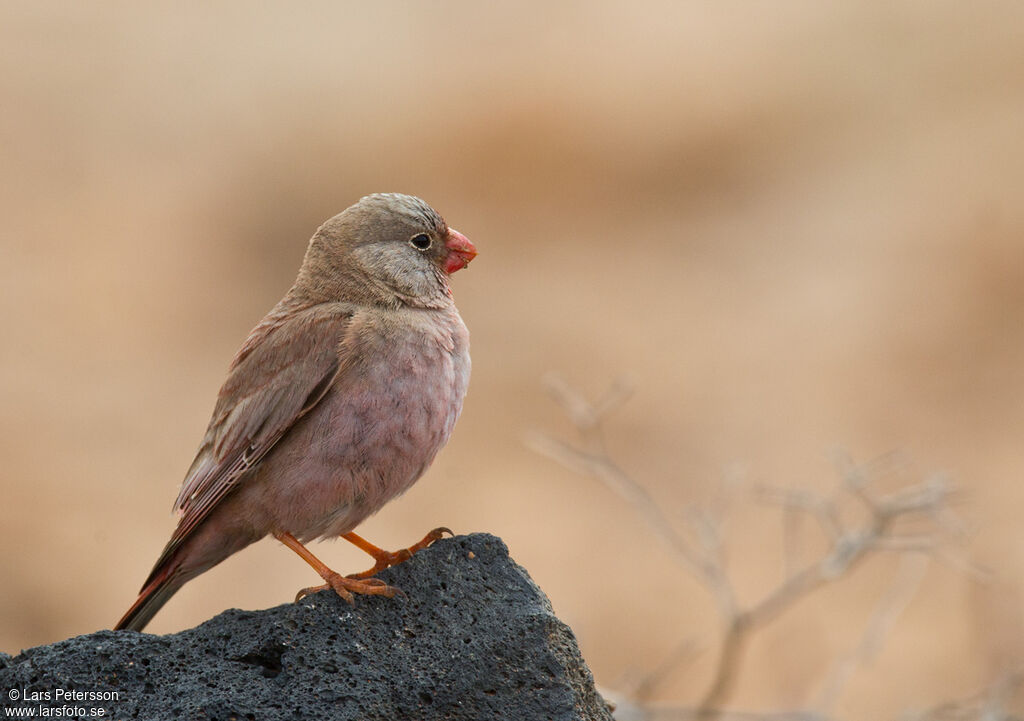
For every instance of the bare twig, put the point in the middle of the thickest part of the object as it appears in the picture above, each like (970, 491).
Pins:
(905, 585)
(593, 460)
(879, 530)
(991, 704)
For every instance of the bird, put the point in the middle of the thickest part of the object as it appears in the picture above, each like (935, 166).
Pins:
(336, 403)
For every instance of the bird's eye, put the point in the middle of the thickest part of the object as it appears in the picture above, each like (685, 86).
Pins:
(420, 242)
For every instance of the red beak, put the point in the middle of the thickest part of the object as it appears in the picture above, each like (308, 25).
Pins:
(460, 251)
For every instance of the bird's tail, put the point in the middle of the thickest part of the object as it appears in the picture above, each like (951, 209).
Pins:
(159, 588)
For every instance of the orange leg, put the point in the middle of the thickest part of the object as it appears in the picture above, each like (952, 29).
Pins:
(343, 586)
(384, 558)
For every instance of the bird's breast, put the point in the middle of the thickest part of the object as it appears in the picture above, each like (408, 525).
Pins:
(390, 411)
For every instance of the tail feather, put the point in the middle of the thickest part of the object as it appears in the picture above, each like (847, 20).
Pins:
(159, 588)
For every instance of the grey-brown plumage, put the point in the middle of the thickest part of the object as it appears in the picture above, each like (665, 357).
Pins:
(336, 403)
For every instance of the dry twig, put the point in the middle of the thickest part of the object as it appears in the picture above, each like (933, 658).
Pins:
(991, 704)
(848, 546)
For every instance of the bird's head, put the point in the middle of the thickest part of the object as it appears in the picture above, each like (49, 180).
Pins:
(386, 244)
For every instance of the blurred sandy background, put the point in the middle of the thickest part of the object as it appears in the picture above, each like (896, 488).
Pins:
(795, 225)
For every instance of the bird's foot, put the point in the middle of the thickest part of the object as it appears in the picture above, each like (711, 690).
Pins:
(385, 559)
(345, 587)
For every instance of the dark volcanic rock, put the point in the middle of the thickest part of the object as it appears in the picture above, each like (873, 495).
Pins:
(474, 638)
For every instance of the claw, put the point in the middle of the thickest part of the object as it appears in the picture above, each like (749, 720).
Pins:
(361, 583)
(385, 559)
(322, 587)
(345, 587)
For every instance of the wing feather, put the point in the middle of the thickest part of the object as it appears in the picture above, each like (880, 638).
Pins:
(286, 366)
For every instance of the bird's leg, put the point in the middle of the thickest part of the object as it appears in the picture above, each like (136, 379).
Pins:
(384, 558)
(342, 585)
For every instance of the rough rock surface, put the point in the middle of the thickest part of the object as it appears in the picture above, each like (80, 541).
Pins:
(474, 638)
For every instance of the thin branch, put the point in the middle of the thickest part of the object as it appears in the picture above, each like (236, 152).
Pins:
(595, 462)
(988, 705)
(823, 511)
(905, 585)
(848, 545)
(617, 480)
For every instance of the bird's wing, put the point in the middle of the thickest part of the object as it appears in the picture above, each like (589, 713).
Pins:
(286, 366)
